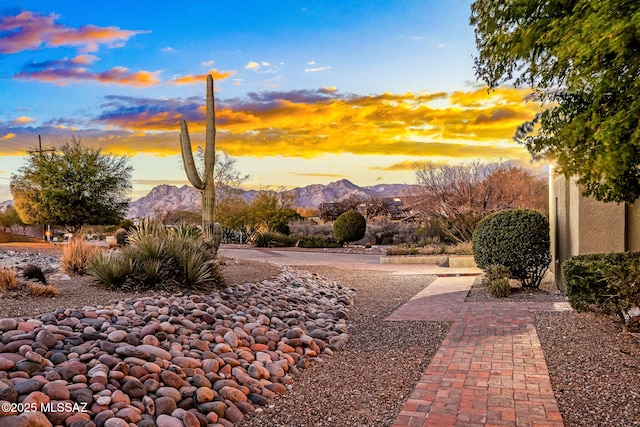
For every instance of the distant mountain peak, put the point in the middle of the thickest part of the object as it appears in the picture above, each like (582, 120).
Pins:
(165, 198)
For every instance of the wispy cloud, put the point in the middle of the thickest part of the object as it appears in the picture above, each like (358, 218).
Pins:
(191, 79)
(261, 67)
(316, 69)
(74, 70)
(33, 31)
(167, 49)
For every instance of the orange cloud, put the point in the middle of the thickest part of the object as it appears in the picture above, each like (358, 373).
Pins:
(32, 31)
(312, 123)
(191, 79)
(22, 120)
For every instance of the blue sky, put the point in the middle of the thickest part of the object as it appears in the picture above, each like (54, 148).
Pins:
(307, 92)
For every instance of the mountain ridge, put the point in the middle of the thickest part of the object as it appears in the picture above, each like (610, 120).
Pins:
(165, 198)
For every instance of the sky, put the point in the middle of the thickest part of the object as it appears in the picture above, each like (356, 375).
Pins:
(306, 92)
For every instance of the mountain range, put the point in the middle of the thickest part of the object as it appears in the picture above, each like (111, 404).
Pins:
(165, 198)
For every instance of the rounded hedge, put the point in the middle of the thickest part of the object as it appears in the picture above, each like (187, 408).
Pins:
(518, 239)
(349, 227)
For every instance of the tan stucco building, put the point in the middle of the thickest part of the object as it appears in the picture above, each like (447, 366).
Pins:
(582, 225)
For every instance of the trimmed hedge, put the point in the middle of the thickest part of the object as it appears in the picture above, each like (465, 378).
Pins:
(349, 227)
(274, 239)
(518, 239)
(604, 283)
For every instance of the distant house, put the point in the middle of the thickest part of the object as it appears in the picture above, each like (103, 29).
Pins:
(389, 207)
(582, 225)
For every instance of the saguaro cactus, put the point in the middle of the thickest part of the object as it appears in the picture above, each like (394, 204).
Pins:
(212, 231)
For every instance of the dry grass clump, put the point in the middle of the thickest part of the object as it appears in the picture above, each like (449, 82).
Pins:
(8, 280)
(76, 256)
(38, 290)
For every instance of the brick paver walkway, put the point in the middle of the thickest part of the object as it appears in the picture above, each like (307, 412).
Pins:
(489, 370)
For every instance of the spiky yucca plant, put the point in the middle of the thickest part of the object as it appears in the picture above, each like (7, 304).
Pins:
(174, 258)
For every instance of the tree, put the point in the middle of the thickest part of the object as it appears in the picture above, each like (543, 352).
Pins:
(9, 219)
(459, 196)
(583, 60)
(273, 210)
(71, 186)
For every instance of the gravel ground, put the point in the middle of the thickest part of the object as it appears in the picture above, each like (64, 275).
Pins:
(367, 383)
(594, 368)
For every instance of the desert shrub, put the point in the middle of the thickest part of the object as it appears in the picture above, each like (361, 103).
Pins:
(495, 272)
(499, 288)
(76, 255)
(604, 283)
(311, 229)
(38, 290)
(349, 227)
(158, 257)
(8, 280)
(518, 239)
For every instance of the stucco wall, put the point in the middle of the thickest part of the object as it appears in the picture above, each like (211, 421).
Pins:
(582, 225)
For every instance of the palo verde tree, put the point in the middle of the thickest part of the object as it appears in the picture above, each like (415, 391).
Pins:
(582, 58)
(72, 185)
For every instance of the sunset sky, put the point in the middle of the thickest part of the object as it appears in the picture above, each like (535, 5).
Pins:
(306, 91)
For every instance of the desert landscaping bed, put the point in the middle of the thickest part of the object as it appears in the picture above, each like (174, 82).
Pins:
(594, 369)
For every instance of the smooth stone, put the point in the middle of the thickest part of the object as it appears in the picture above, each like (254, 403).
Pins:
(46, 338)
(117, 336)
(158, 352)
(171, 392)
(168, 421)
(232, 394)
(165, 405)
(115, 422)
(233, 414)
(8, 324)
(135, 389)
(28, 366)
(14, 421)
(57, 390)
(171, 379)
(36, 419)
(6, 364)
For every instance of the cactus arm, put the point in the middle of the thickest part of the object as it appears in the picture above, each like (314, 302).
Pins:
(210, 147)
(187, 157)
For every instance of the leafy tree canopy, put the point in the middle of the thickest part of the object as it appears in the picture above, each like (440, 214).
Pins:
(582, 58)
(72, 185)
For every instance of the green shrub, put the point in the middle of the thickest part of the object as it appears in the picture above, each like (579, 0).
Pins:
(518, 239)
(349, 227)
(273, 239)
(495, 272)
(499, 288)
(604, 283)
(158, 257)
